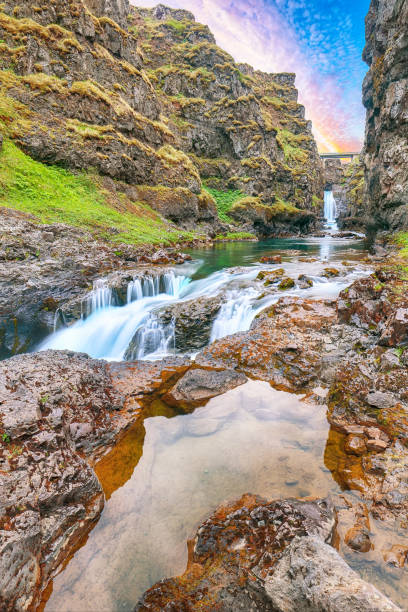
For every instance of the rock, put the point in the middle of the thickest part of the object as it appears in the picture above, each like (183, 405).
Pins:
(270, 276)
(60, 412)
(389, 361)
(330, 272)
(271, 259)
(300, 581)
(193, 321)
(268, 352)
(376, 445)
(197, 386)
(396, 328)
(355, 445)
(304, 282)
(268, 556)
(286, 283)
(385, 152)
(380, 400)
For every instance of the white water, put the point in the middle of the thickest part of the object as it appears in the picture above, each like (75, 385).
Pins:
(330, 210)
(134, 330)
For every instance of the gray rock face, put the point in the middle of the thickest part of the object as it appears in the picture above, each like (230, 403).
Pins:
(193, 322)
(55, 407)
(311, 575)
(197, 386)
(385, 98)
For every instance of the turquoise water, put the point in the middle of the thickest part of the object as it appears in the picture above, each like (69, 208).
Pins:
(230, 255)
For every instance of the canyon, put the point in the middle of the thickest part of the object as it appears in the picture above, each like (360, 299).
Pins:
(204, 370)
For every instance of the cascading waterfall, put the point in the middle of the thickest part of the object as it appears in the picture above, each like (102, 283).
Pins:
(135, 330)
(330, 208)
(235, 315)
(100, 297)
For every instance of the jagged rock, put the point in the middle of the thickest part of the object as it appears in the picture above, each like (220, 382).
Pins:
(304, 282)
(384, 96)
(286, 283)
(301, 582)
(255, 555)
(193, 321)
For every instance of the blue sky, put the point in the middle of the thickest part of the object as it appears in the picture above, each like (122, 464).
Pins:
(322, 41)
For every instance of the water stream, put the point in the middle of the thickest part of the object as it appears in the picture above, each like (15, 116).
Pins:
(108, 330)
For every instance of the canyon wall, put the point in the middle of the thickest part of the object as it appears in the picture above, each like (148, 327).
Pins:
(146, 98)
(385, 96)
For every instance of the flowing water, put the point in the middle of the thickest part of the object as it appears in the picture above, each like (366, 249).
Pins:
(111, 331)
(330, 210)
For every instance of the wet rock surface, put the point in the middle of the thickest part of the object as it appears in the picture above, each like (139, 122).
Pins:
(197, 386)
(193, 321)
(59, 412)
(274, 556)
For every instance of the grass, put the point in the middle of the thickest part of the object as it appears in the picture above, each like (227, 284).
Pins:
(224, 201)
(54, 195)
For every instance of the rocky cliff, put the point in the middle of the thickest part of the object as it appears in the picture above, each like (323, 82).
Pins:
(386, 101)
(147, 99)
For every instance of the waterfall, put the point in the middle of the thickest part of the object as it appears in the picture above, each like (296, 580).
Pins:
(100, 297)
(235, 315)
(153, 340)
(330, 209)
(148, 286)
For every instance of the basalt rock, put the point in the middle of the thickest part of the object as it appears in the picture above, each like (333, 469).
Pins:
(384, 96)
(255, 555)
(193, 321)
(59, 413)
(270, 352)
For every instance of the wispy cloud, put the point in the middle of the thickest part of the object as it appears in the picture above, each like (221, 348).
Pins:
(316, 39)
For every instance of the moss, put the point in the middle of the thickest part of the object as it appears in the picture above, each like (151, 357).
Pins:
(224, 201)
(291, 146)
(54, 195)
(45, 83)
(87, 130)
(235, 236)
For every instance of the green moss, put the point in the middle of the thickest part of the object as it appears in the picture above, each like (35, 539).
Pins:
(232, 236)
(291, 146)
(177, 26)
(54, 195)
(225, 200)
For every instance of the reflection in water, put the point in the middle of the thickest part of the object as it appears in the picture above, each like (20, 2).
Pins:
(252, 439)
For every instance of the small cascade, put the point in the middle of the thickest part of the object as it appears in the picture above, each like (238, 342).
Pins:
(330, 209)
(150, 286)
(153, 340)
(236, 314)
(101, 297)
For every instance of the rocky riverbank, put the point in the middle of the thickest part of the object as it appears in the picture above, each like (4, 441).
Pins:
(61, 411)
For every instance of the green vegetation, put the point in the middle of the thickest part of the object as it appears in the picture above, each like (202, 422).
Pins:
(54, 195)
(290, 145)
(225, 200)
(232, 236)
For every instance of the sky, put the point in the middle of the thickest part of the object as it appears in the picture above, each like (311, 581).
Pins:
(320, 40)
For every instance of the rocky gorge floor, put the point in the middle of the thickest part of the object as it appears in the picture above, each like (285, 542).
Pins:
(62, 412)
